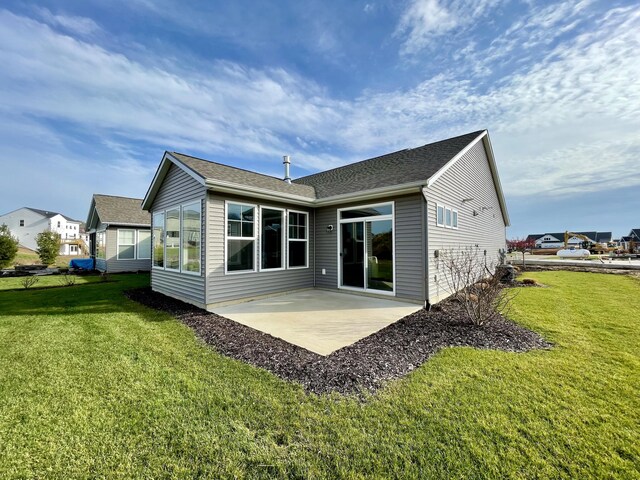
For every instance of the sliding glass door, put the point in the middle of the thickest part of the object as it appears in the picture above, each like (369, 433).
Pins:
(366, 248)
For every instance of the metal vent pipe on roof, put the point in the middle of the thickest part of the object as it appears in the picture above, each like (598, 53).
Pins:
(287, 164)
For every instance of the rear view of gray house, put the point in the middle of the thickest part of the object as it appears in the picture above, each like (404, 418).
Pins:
(119, 234)
(224, 235)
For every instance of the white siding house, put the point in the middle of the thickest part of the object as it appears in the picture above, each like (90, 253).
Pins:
(26, 223)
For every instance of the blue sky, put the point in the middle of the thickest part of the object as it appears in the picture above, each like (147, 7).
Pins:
(92, 93)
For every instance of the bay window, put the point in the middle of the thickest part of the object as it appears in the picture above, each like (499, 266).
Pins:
(272, 241)
(158, 239)
(241, 237)
(298, 240)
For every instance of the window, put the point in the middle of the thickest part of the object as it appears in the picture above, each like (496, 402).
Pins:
(58, 224)
(144, 244)
(126, 244)
(73, 248)
(191, 227)
(272, 241)
(22, 223)
(298, 240)
(446, 217)
(440, 215)
(158, 239)
(172, 239)
(100, 246)
(369, 211)
(241, 240)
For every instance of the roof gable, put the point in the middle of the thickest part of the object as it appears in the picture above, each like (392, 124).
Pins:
(116, 211)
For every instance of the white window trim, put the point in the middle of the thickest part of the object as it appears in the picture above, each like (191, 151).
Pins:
(256, 225)
(182, 206)
(438, 206)
(306, 240)
(164, 246)
(457, 216)
(391, 217)
(118, 244)
(283, 239)
(164, 219)
(103, 232)
(138, 257)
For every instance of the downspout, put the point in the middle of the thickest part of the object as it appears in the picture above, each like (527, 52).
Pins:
(315, 236)
(425, 236)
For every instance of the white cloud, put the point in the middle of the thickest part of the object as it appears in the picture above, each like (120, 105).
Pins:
(79, 25)
(425, 20)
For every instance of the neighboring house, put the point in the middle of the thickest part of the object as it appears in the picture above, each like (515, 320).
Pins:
(222, 234)
(119, 234)
(556, 240)
(631, 241)
(26, 223)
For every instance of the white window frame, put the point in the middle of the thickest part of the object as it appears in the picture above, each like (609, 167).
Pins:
(182, 206)
(283, 239)
(164, 220)
(256, 225)
(138, 257)
(454, 215)
(104, 234)
(438, 207)
(449, 223)
(306, 240)
(391, 217)
(118, 244)
(175, 207)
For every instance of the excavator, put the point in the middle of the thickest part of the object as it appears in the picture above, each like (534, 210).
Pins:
(570, 251)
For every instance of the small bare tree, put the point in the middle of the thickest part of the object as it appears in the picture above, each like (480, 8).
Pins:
(67, 280)
(29, 281)
(474, 282)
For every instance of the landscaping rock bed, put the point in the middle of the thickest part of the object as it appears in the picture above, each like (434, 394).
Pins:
(387, 354)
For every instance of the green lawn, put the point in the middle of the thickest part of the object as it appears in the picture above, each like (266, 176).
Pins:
(45, 281)
(93, 385)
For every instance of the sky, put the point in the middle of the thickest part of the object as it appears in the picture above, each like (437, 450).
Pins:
(92, 93)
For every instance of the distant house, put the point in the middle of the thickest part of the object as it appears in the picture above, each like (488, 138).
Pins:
(631, 241)
(26, 223)
(120, 235)
(556, 240)
(378, 227)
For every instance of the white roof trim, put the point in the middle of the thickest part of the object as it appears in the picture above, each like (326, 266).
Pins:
(161, 172)
(492, 166)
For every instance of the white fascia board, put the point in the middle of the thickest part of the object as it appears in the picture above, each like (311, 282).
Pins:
(459, 155)
(161, 172)
(413, 187)
(255, 192)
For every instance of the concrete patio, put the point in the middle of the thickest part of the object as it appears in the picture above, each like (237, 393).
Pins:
(319, 320)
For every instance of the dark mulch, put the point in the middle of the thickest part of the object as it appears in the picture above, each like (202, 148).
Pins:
(390, 353)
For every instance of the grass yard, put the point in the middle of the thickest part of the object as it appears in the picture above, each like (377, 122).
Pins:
(29, 257)
(94, 385)
(47, 281)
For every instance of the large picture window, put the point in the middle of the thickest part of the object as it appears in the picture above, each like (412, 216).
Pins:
(298, 240)
(241, 240)
(101, 251)
(172, 239)
(126, 244)
(272, 241)
(191, 227)
(158, 239)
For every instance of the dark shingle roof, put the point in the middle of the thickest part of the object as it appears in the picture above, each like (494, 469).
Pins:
(48, 214)
(404, 166)
(603, 237)
(121, 210)
(217, 171)
(534, 236)
(635, 232)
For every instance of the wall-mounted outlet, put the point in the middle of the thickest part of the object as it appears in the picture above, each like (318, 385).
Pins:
(324, 271)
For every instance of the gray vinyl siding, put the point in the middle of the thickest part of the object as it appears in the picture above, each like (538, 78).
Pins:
(409, 245)
(179, 188)
(469, 178)
(111, 264)
(232, 287)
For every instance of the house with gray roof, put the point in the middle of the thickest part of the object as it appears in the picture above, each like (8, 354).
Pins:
(631, 242)
(556, 239)
(26, 223)
(223, 235)
(120, 234)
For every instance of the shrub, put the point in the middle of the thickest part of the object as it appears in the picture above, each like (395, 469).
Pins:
(48, 246)
(30, 281)
(529, 281)
(8, 246)
(476, 286)
(67, 280)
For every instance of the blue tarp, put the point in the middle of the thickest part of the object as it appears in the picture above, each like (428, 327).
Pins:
(83, 263)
